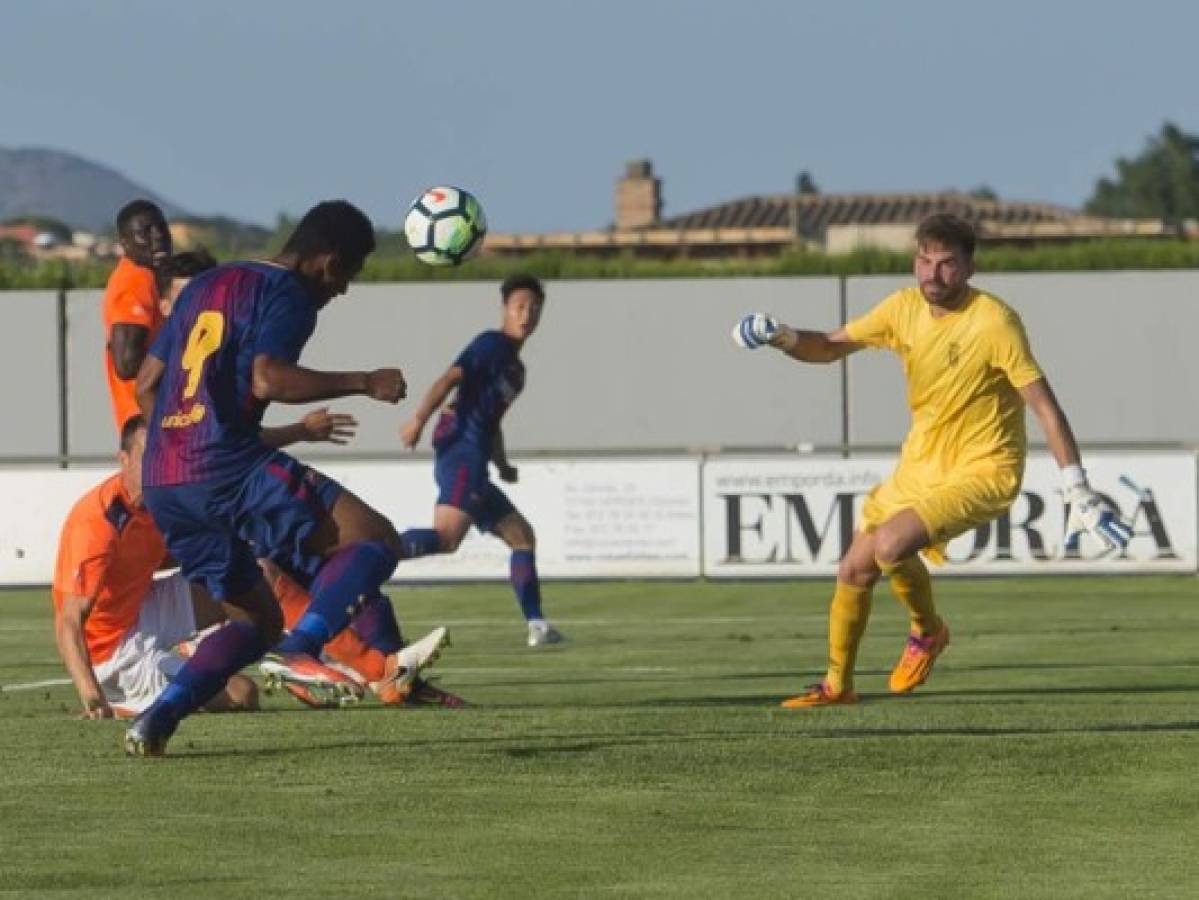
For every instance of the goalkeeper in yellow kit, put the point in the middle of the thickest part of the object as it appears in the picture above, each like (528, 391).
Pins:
(970, 373)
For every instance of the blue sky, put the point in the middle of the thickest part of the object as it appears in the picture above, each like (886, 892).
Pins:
(252, 108)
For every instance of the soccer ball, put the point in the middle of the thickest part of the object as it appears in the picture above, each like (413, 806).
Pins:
(445, 226)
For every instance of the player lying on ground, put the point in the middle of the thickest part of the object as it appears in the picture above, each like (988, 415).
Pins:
(488, 376)
(970, 372)
(221, 496)
(116, 627)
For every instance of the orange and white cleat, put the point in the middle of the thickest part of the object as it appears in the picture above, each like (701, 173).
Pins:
(916, 662)
(404, 668)
(308, 680)
(819, 694)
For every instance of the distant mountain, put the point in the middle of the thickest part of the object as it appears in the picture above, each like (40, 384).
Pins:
(58, 185)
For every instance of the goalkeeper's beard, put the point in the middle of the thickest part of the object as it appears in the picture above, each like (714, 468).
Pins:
(938, 294)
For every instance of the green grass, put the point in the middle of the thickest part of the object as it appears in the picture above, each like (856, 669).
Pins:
(1053, 754)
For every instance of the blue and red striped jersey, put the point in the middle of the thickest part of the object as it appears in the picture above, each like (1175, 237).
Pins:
(493, 377)
(206, 419)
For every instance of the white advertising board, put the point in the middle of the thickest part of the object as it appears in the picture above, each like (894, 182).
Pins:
(597, 518)
(794, 516)
(761, 517)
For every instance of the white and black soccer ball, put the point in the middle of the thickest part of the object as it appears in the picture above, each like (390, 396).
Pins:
(445, 226)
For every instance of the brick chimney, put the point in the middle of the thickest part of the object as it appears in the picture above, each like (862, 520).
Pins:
(638, 196)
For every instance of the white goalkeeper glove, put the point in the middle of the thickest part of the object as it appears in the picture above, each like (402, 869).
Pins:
(755, 330)
(1089, 512)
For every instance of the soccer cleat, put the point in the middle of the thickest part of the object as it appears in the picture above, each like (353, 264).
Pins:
(316, 696)
(542, 633)
(819, 694)
(425, 694)
(919, 654)
(144, 739)
(308, 680)
(404, 668)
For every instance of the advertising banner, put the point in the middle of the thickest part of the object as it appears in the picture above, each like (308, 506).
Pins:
(795, 516)
(597, 518)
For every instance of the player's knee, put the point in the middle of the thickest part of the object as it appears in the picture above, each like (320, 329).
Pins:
(855, 572)
(378, 530)
(450, 539)
(526, 537)
(889, 551)
(242, 694)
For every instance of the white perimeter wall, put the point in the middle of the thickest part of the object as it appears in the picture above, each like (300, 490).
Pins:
(649, 365)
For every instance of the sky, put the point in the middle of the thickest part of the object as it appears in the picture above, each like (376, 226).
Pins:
(250, 109)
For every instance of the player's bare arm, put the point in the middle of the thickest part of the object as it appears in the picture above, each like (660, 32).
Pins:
(128, 346)
(499, 456)
(72, 647)
(1089, 511)
(282, 382)
(410, 431)
(814, 346)
(318, 426)
(761, 329)
(148, 377)
(1039, 397)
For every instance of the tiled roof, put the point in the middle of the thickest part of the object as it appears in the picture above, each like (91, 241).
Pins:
(817, 212)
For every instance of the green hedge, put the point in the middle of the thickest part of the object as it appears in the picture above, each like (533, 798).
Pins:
(1089, 256)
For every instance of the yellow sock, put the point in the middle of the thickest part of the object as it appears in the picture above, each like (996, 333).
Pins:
(914, 589)
(847, 618)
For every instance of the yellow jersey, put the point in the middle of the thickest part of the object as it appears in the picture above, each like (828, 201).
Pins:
(964, 370)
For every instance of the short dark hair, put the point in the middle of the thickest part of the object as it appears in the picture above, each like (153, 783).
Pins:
(521, 282)
(946, 228)
(129, 430)
(134, 208)
(190, 263)
(335, 226)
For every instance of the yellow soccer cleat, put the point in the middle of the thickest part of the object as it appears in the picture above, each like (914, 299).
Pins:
(819, 694)
(919, 654)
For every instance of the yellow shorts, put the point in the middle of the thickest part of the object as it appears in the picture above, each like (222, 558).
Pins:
(947, 506)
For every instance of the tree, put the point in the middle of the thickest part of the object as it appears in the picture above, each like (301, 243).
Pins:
(805, 184)
(1161, 183)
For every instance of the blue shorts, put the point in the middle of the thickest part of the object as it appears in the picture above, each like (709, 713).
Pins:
(218, 530)
(464, 483)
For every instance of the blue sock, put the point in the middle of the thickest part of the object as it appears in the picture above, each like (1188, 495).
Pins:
(376, 624)
(223, 653)
(418, 542)
(523, 574)
(353, 573)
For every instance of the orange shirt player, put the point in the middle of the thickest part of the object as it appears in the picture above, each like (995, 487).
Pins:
(131, 301)
(115, 625)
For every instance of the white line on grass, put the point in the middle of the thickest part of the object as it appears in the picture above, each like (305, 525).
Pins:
(698, 620)
(34, 685)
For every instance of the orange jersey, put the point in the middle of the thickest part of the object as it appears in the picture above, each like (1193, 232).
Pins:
(131, 298)
(108, 551)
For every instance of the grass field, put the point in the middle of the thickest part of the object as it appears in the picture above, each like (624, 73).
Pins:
(1054, 753)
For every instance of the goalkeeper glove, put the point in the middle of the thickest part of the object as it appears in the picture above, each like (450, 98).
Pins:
(1091, 513)
(755, 330)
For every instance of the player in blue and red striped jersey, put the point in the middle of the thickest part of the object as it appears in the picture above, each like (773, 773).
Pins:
(488, 376)
(222, 497)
